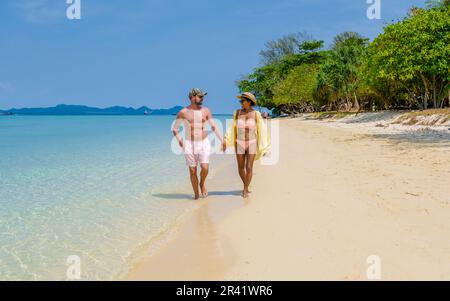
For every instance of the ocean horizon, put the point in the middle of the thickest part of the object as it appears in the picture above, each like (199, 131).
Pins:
(97, 187)
(83, 110)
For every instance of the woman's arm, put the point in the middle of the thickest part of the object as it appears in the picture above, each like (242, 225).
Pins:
(213, 126)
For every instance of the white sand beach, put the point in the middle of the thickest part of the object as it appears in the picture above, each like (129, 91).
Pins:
(339, 194)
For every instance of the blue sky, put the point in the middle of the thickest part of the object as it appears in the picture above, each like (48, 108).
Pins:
(151, 52)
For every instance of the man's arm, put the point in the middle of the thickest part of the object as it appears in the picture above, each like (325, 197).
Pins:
(214, 128)
(176, 128)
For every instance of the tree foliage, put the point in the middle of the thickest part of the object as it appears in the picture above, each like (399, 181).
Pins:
(264, 79)
(416, 53)
(406, 66)
(298, 87)
(341, 72)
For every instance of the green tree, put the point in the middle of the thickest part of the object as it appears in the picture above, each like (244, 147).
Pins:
(264, 79)
(298, 87)
(406, 66)
(340, 76)
(416, 53)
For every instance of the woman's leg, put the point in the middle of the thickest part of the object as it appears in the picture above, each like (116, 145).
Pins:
(250, 160)
(241, 167)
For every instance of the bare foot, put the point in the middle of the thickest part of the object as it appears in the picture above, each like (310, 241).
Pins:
(245, 193)
(204, 191)
(196, 197)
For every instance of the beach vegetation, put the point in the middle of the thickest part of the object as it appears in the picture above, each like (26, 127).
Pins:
(298, 86)
(341, 73)
(415, 54)
(407, 66)
(270, 79)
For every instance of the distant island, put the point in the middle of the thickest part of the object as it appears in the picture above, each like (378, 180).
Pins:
(85, 110)
(5, 113)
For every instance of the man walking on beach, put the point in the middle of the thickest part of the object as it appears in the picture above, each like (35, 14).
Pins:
(196, 145)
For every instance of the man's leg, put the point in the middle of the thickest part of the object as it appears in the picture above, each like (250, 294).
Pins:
(194, 181)
(203, 174)
(204, 164)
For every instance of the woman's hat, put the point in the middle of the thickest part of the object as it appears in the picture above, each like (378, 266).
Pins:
(248, 96)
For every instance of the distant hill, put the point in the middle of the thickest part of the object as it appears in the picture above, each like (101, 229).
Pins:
(85, 110)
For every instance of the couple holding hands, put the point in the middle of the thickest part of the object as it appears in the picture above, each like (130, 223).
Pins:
(248, 135)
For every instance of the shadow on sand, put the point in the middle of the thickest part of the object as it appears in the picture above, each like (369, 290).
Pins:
(181, 196)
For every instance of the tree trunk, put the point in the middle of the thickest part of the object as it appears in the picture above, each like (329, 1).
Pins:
(425, 97)
(356, 102)
(434, 92)
(349, 105)
(440, 94)
(449, 97)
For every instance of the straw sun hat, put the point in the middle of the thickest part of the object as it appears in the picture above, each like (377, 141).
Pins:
(248, 96)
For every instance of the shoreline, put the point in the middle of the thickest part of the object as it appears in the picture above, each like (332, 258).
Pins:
(336, 197)
(179, 253)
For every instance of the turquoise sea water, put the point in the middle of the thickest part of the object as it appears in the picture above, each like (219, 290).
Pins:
(95, 187)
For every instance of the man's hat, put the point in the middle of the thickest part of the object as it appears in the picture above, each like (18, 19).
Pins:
(197, 92)
(248, 96)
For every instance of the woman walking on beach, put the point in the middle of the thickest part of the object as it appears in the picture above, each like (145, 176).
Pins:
(248, 135)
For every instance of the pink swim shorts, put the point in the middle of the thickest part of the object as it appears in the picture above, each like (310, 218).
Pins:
(197, 152)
